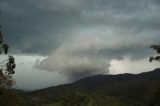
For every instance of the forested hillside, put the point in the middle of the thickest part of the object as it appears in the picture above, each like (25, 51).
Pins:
(101, 90)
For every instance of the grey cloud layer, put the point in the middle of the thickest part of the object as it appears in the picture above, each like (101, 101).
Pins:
(81, 36)
(85, 56)
(40, 27)
(75, 59)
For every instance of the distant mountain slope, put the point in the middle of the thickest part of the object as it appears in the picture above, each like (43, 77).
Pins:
(97, 81)
(110, 90)
(101, 90)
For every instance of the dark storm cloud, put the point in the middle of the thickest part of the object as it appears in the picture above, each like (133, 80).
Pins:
(39, 27)
(34, 27)
(82, 34)
(43, 22)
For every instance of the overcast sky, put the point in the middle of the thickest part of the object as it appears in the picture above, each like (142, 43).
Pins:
(60, 41)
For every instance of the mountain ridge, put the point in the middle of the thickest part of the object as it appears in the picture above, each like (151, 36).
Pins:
(141, 89)
(155, 74)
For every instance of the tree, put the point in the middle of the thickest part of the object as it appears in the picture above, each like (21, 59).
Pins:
(157, 49)
(156, 99)
(6, 66)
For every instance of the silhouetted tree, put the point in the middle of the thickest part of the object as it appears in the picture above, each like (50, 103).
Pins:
(156, 99)
(6, 67)
(157, 49)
